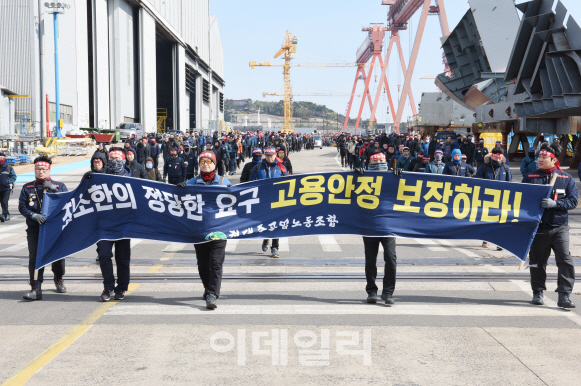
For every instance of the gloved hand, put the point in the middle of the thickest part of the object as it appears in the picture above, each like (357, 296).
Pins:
(88, 175)
(39, 218)
(397, 171)
(182, 184)
(547, 203)
(360, 170)
(48, 185)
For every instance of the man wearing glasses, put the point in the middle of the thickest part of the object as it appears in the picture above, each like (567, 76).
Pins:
(30, 206)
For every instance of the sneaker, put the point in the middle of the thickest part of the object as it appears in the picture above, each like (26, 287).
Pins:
(120, 295)
(205, 293)
(372, 297)
(265, 246)
(564, 301)
(389, 300)
(2, 219)
(60, 285)
(538, 298)
(7, 217)
(106, 295)
(484, 244)
(211, 301)
(274, 253)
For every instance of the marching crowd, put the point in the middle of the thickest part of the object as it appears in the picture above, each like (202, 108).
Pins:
(199, 160)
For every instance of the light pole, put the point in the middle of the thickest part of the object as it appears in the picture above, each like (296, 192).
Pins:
(55, 9)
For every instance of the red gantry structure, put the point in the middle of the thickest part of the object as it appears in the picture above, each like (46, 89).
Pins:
(399, 14)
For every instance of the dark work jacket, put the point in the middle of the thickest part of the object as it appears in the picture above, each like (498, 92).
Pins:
(567, 196)
(34, 192)
(489, 172)
(175, 170)
(137, 169)
(7, 177)
(247, 171)
(461, 169)
(191, 159)
(142, 152)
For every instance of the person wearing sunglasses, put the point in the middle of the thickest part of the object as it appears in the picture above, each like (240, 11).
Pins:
(210, 254)
(30, 206)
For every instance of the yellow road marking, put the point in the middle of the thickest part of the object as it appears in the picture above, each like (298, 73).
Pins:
(71, 336)
(168, 256)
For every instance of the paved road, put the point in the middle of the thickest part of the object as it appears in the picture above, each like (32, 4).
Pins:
(462, 315)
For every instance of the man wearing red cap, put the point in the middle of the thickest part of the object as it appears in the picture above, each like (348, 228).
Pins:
(210, 254)
(553, 231)
(7, 180)
(30, 206)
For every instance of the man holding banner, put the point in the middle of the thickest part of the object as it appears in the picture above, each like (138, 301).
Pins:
(30, 206)
(116, 167)
(377, 161)
(553, 231)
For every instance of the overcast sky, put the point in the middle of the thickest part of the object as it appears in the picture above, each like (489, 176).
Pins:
(253, 30)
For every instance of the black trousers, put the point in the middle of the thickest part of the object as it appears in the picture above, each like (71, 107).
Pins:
(122, 260)
(556, 239)
(274, 243)
(4, 197)
(344, 158)
(371, 250)
(58, 267)
(211, 257)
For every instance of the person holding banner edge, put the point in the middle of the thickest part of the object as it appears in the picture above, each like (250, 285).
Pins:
(377, 161)
(553, 231)
(30, 206)
(118, 167)
(212, 253)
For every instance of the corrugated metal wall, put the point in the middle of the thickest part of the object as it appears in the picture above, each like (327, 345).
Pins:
(15, 50)
(190, 19)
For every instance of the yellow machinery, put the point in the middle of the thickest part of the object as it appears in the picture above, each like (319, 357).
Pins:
(161, 119)
(288, 48)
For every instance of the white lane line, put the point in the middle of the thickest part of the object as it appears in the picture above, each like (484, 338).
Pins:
(134, 242)
(12, 227)
(6, 235)
(283, 244)
(231, 245)
(339, 162)
(549, 303)
(466, 252)
(329, 243)
(16, 247)
(426, 243)
(174, 247)
(338, 309)
(445, 242)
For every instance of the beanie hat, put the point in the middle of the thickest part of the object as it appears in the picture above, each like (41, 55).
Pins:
(208, 154)
(456, 152)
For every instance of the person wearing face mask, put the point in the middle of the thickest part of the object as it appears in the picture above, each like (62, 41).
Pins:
(553, 231)
(529, 163)
(351, 152)
(421, 167)
(270, 167)
(417, 160)
(378, 162)
(7, 180)
(117, 167)
(191, 161)
(494, 167)
(436, 167)
(30, 207)
(479, 153)
(152, 172)
(174, 170)
(456, 167)
(212, 253)
(247, 170)
(467, 148)
(433, 147)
